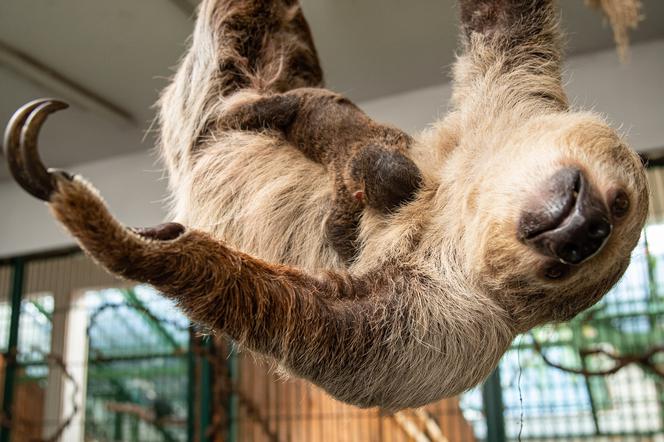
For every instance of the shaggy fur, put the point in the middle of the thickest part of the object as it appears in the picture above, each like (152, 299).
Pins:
(439, 287)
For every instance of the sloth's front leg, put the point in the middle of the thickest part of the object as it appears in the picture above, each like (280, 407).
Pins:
(307, 322)
(511, 54)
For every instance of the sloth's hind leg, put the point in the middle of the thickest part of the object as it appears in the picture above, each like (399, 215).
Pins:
(258, 45)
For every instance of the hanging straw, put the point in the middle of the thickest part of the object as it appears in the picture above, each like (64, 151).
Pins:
(623, 16)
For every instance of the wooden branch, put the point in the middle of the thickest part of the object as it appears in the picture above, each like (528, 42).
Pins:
(6, 421)
(143, 413)
(409, 427)
(645, 360)
(432, 428)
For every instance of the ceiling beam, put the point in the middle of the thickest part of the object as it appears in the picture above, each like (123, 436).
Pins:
(59, 85)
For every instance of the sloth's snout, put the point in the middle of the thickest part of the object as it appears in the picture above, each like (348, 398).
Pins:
(569, 221)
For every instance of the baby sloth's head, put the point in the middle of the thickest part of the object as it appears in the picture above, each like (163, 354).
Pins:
(563, 208)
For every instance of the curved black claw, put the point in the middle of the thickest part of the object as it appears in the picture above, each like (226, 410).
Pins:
(21, 151)
(162, 232)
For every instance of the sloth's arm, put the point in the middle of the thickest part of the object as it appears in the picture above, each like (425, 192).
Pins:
(271, 308)
(275, 309)
(366, 156)
(325, 126)
(237, 44)
(511, 52)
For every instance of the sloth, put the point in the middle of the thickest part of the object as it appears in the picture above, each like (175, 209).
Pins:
(368, 162)
(526, 211)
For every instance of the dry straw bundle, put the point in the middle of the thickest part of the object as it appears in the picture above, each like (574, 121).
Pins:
(622, 15)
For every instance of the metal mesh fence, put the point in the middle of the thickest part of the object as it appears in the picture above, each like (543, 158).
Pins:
(599, 376)
(88, 357)
(137, 367)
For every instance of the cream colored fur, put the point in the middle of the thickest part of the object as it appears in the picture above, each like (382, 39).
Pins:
(509, 129)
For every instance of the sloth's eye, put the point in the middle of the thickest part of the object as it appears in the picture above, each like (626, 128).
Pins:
(556, 270)
(619, 203)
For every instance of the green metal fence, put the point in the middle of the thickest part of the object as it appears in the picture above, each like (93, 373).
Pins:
(129, 374)
(137, 381)
(597, 377)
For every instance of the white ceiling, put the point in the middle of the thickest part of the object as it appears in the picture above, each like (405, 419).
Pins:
(111, 58)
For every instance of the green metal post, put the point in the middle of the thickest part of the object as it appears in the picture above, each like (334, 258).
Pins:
(233, 400)
(12, 350)
(580, 343)
(118, 427)
(206, 391)
(135, 429)
(121, 395)
(191, 388)
(492, 396)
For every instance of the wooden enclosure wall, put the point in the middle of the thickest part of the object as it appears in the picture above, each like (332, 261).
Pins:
(295, 410)
(28, 420)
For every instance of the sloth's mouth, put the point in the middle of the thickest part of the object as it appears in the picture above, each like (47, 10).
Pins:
(570, 223)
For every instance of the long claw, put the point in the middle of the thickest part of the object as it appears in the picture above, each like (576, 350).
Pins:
(12, 140)
(162, 232)
(41, 179)
(20, 143)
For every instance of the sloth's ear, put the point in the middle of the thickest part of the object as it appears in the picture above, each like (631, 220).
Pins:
(390, 178)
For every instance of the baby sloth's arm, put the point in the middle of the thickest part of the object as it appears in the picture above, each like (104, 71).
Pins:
(369, 162)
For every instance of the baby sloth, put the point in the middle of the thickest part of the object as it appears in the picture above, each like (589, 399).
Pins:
(369, 162)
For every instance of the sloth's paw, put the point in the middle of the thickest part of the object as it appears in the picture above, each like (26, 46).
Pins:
(76, 203)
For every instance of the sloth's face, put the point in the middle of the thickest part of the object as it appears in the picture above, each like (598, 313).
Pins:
(565, 206)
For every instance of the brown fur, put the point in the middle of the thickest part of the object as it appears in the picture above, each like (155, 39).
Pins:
(440, 286)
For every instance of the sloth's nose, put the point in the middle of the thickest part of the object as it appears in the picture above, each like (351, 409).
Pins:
(569, 222)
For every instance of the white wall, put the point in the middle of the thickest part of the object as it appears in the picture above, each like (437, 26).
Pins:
(131, 184)
(631, 95)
